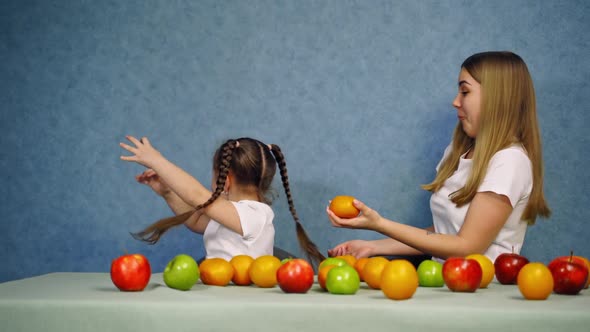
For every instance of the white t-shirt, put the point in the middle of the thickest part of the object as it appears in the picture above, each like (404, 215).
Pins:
(258, 238)
(509, 173)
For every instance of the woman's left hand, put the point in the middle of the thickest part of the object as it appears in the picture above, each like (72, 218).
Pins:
(143, 152)
(367, 219)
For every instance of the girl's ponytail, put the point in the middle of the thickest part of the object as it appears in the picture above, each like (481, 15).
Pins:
(310, 249)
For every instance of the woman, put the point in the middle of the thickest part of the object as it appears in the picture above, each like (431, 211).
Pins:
(489, 183)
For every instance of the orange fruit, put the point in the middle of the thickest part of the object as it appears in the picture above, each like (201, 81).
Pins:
(323, 275)
(342, 207)
(587, 262)
(263, 271)
(216, 271)
(487, 269)
(350, 259)
(241, 265)
(372, 271)
(359, 265)
(399, 279)
(535, 281)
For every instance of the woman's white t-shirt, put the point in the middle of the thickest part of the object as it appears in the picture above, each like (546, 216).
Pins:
(510, 174)
(259, 233)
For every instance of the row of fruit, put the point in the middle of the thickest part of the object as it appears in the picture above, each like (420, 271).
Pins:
(398, 279)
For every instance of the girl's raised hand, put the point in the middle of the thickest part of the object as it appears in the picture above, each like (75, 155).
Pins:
(143, 152)
(367, 219)
(150, 178)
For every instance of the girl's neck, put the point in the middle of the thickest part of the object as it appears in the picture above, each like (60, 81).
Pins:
(236, 195)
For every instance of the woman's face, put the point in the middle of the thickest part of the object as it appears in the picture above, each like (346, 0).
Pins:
(468, 103)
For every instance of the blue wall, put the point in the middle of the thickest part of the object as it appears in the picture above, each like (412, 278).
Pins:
(357, 93)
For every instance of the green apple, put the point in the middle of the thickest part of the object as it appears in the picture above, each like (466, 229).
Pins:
(332, 261)
(430, 274)
(343, 280)
(181, 273)
(285, 260)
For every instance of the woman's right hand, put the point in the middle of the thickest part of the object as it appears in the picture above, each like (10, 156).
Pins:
(357, 248)
(150, 178)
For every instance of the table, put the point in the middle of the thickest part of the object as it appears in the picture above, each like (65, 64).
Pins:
(90, 302)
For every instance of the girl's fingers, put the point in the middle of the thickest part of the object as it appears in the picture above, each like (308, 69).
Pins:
(128, 158)
(128, 147)
(145, 141)
(133, 140)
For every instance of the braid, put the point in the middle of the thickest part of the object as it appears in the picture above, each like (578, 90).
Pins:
(227, 150)
(153, 232)
(310, 248)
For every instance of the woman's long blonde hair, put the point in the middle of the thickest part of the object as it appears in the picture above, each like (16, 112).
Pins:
(508, 115)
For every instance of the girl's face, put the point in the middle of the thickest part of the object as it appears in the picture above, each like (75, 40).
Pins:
(468, 103)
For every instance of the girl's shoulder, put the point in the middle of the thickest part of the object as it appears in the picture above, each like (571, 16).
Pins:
(253, 205)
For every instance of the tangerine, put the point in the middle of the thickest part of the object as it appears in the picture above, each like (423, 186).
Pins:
(372, 271)
(399, 279)
(343, 207)
(359, 265)
(535, 281)
(216, 272)
(241, 265)
(487, 269)
(350, 259)
(323, 275)
(263, 271)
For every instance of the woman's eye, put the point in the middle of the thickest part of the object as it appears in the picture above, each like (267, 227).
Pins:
(464, 93)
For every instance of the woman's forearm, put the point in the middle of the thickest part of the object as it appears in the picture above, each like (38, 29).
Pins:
(390, 246)
(424, 241)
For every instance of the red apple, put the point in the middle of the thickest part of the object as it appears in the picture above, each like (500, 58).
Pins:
(462, 274)
(295, 276)
(507, 266)
(570, 274)
(131, 272)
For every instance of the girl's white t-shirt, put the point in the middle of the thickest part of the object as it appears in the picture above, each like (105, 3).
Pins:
(510, 174)
(258, 229)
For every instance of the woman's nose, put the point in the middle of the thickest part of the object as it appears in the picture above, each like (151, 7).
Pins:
(456, 102)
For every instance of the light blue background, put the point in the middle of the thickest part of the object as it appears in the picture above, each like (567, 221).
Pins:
(357, 93)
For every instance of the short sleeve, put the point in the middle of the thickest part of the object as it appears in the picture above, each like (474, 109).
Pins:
(510, 174)
(253, 217)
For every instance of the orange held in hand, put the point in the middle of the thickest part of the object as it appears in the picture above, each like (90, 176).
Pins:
(342, 207)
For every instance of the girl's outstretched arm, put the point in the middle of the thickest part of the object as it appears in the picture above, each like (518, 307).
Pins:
(189, 189)
(151, 179)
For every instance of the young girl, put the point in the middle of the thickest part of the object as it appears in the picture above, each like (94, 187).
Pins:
(236, 217)
(489, 183)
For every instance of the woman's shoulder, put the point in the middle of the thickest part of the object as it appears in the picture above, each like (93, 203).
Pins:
(515, 151)
(514, 156)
